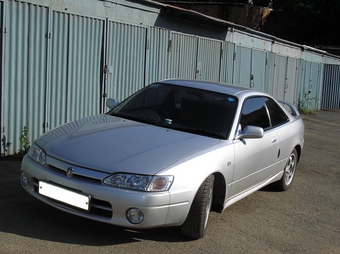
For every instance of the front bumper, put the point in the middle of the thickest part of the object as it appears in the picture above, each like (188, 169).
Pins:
(107, 204)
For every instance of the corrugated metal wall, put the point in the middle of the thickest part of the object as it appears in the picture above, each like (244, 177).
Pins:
(310, 85)
(208, 59)
(51, 71)
(242, 66)
(158, 55)
(58, 66)
(183, 61)
(125, 59)
(291, 86)
(259, 70)
(331, 87)
(24, 72)
(279, 79)
(75, 67)
(3, 139)
(227, 62)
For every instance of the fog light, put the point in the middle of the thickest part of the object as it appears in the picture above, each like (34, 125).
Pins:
(23, 179)
(135, 216)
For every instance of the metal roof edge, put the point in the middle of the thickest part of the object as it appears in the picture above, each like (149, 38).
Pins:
(224, 24)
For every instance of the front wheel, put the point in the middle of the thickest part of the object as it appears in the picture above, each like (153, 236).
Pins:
(289, 172)
(195, 225)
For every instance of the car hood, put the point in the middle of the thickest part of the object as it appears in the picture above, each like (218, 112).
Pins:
(111, 144)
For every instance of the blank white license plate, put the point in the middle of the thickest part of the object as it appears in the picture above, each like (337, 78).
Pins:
(65, 196)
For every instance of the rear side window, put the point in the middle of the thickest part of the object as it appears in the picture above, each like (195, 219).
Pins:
(277, 115)
(254, 112)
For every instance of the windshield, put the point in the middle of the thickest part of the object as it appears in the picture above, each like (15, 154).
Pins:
(181, 108)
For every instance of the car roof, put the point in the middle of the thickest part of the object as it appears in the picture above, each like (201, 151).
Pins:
(208, 85)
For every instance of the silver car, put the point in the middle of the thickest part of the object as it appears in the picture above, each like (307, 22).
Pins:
(167, 155)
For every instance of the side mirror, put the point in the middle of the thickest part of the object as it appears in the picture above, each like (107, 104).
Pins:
(111, 103)
(251, 132)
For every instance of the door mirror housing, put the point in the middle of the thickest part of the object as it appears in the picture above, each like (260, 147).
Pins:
(250, 132)
(111, 103)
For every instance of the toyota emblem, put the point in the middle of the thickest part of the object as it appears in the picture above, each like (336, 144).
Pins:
(69, 171)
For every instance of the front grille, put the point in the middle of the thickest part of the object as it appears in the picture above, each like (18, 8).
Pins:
(75, 175)
(98, 207)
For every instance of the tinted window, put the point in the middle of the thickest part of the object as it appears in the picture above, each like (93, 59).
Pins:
(183, 108)
(277, 116)
(254, 113)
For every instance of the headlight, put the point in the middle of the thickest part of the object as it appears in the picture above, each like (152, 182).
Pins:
(139, 182)
(37, 154)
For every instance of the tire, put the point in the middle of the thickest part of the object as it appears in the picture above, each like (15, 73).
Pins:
(289, 172)
(195, 225)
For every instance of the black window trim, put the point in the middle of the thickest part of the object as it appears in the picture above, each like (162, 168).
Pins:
(271, 127)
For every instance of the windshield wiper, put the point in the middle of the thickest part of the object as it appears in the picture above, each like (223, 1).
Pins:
(132, 117)
(144, 119)
(206, 132)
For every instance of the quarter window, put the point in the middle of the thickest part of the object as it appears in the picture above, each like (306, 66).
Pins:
(277, 116)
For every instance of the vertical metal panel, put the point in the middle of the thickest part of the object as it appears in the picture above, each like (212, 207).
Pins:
(183, 57)
(3, 146)
(15, 86)
(304, 84)
(296, 100)
(242, 66)
(126, 45)
(259, 73)
(84, 61)
(2, 32)
(316, 74)
(290, 91)
(208, 59)
(58, 70)
(37, 61)
(272, 70)
(280, 77)
(75, 67)
(226, 75)
(331, 87)
(157, 57)
(310, 78)
(23, 91)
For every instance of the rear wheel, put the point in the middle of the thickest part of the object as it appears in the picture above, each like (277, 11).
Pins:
(289, 172)
(195, 225)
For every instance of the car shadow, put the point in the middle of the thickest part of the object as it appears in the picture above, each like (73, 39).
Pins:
(21, 214)
(269, 188)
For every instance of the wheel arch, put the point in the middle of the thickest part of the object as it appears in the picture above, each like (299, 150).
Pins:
(219, 192)
(299, 151)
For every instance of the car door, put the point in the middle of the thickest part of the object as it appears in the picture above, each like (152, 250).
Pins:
(254, 157)
(279, 120)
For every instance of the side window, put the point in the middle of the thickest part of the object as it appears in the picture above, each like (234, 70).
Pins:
(277, 115)
(254, 113)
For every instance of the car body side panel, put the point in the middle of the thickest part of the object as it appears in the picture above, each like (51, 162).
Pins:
(192, 172)
(255, 161)
(289, 138)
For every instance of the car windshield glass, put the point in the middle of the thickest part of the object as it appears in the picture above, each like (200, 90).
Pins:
(183, 108)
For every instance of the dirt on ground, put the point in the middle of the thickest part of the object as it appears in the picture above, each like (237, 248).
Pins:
(304, 219)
